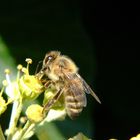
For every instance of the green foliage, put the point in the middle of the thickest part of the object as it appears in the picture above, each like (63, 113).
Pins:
(6, 60)
(48, 131)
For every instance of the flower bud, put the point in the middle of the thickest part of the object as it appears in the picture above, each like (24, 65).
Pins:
(57, 111)
(3, 105)
(7, 71)
(49, 94)
(34, 113)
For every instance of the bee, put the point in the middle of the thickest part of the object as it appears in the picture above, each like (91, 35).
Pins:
(62, 73)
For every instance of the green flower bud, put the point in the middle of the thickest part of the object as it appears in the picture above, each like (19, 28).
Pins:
(30, 87)
(3, 105)
(34, 113)
(57, 111)
(49, 94)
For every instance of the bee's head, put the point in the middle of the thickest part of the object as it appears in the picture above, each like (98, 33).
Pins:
(50, 57)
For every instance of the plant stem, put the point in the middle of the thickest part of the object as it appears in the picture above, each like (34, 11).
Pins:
(16, 110)
(26, 129)
(1, 134)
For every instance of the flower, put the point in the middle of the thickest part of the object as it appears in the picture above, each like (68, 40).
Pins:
(136, 138)
(25, 86)
(30, 87)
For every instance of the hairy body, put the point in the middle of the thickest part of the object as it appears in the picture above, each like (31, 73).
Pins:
(62, 73)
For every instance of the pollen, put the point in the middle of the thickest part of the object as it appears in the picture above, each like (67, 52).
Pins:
(24, 70)
(19, 67)
(4, 82)
(7, 71)
(29, 60)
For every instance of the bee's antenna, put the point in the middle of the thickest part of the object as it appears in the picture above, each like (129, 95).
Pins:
(37, 68)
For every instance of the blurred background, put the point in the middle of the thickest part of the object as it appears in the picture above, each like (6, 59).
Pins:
(101, 37)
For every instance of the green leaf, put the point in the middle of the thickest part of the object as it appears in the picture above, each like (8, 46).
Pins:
(48, 131)
(1, 134)
(6, 61)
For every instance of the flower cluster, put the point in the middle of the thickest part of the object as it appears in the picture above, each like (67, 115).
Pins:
(27, 88)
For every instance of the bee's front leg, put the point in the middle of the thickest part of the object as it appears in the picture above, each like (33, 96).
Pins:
(48, 83)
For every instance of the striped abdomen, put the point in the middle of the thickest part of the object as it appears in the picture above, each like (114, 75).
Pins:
(74, 102)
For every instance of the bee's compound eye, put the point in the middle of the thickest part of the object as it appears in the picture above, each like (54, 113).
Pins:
(49, 57)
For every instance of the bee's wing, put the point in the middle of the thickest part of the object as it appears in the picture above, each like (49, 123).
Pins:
(76, 90)
(88, 89)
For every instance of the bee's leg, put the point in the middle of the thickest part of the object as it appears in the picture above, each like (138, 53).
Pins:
(51, 102)
(39, 75)
(48, 83)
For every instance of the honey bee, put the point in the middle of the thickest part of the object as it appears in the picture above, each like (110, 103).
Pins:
(62, 73)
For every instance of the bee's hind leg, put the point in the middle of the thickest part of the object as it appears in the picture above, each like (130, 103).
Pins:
(51, 102)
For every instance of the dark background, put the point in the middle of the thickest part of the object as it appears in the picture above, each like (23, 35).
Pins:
(103, 39)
